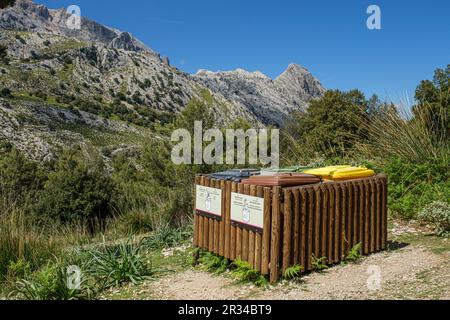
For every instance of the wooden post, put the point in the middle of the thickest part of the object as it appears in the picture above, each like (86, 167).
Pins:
(275, 243)
(297, 226)
(265, 260)
(287, 233)
(233, 231)
(258, 236)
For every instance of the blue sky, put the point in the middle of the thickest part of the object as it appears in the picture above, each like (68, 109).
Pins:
(329, 37)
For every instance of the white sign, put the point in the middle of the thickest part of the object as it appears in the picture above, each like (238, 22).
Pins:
(247, 210)
(209, 200)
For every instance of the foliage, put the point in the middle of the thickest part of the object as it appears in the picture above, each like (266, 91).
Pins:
(319, 264)
(80, 189)
(167, 236)
(413, 186)
(50, 283)
(119, 264)
(214, 263)
(243, 271)
(293, 272)
(437, 213)
(434, 100)
(355, 253)
(5, 93)
(329, 128)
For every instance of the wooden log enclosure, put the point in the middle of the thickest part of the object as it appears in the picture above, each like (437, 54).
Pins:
(300, 224)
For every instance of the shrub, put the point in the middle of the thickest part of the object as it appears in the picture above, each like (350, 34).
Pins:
(437, 213)
(79, 189)
(319, 264)
(50, 283)
(5, 93)
(119, 264)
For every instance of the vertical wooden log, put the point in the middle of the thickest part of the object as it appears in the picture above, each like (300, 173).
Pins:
(324, 222)
(317, 235)
(258, 236)
(297, 226)
(372, 215)
(196, 219)
(337, 223)
(366, 217)
(287, 233)
(384, 214)
(252, 236)
(355, 194)
(332, 218)
(378, 215)
(233, 231)
(211, 225)
(361, 216)
(265, 260)
(239, 230)
(310, 228)
(349, 217)
(226, 231)
(275, 243)
(304, 227)
(344, 211)
(221, 225)
(217, 223)
(245, 233)
(206, 223)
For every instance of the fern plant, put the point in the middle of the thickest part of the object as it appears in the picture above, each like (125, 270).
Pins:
(244, 272)
(319, 264)
(293, 272)
(213, 263)
(354, 254)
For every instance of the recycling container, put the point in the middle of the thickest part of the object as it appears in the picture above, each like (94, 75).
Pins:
(274, 226)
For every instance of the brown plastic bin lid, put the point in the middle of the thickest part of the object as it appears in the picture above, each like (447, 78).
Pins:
(282, 180)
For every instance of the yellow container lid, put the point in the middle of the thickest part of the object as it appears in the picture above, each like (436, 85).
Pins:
(351, 173)
(325, 172)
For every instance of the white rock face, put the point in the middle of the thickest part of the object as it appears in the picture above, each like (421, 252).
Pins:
(269, 100)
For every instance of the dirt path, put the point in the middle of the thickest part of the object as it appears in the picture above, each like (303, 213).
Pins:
(408, 273)
(416, 267)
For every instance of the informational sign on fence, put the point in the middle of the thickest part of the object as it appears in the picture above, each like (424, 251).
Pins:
(208, 201)
(247, 211)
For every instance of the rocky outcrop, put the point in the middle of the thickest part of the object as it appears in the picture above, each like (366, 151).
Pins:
(269, 100)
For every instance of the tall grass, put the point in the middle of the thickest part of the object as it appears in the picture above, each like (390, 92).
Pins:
(396, 133)
(20, 241)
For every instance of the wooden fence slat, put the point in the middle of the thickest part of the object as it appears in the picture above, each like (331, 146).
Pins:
(211, 225)
(258, 236)
(252, 236)
(317, 207)
(355, 195)
(332, 218)
(216, 225)
(239, 230)
(275, 243)
(245, 233)
(343, 231)
(233, 231)
(296, 237)
(384, 215)
(267, 231)
(196, 219)
(303, 223)
(310, 220)
(377, 216)
(337, 223)
(324, 221)
(287, 233)
(366, 217)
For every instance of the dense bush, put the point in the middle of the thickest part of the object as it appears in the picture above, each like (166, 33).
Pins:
(77, 190)
(438, 213)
